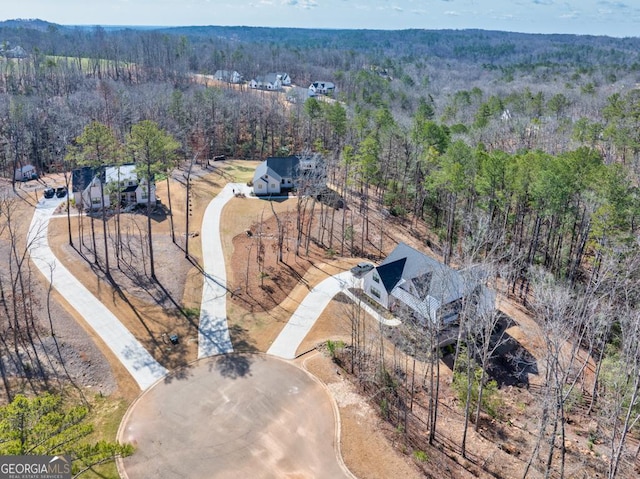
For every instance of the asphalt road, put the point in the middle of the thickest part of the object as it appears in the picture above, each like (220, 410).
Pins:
(233, 416)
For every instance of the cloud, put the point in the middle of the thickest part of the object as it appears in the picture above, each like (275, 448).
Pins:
(452, 13)
(570, 15)
(306, 4)
(614, 5)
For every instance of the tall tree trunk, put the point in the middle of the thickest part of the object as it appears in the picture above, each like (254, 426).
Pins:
(149, 232)
(173, 231)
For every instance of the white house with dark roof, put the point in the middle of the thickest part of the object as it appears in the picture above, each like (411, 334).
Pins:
(280, 174)
(275, 175)
(269, 81)
(409, 280)
(284, 78)
(95, 188)
(123, 180)
(25, 173)
(86, 188)
(321, 88)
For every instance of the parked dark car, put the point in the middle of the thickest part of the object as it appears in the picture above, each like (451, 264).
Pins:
(49, 193)
(61, 192)
(361, 268)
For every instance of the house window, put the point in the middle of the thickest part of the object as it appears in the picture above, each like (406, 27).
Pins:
(259, 186)
(273, 185)
(376, 278)
(375, 292)
(95, 201)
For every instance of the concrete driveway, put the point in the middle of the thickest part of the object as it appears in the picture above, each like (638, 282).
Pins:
(233, 416)
(213, 332)
(142, 366)
(310, 309)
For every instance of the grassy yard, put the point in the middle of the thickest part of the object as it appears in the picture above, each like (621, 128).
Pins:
(106, 414)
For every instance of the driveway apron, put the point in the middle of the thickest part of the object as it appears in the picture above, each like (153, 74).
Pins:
(305, 316)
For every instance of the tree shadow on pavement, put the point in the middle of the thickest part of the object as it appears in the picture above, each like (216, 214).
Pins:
(140, 360)
(233, 366)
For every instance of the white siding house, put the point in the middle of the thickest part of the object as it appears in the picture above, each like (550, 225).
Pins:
(284, 78)
(228, 76)
(266, 82)
(428, 290)
(124, 180)
(321, 88)
(111, 185)
(280, 174)
(26, 173)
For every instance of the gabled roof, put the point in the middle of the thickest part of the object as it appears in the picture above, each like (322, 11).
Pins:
(406, 266)
(263, 170)
(120, 173)
(391, 273)
(323, 85)
(81, 178)
(268, 78)
(227, 75)
(283, 166)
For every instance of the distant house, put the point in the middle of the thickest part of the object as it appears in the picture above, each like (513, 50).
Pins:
(123, 180)
(280, 174)
(95, 188)
(411, 282)
(15, 52)
(284, 78)
(228, 76)
(26, 173)
(321, 88)
(266, 82)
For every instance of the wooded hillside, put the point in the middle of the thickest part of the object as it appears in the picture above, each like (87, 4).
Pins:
(520, 152)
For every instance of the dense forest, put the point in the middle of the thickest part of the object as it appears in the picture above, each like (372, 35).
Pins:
(518, 150)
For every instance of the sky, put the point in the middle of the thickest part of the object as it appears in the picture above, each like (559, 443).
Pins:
(585, 17)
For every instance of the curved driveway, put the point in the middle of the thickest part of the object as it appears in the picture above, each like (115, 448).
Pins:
(305, 316)
(247, 415)
(135, 358)
(213, 331)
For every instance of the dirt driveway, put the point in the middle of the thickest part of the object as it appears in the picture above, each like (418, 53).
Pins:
(233, 416)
